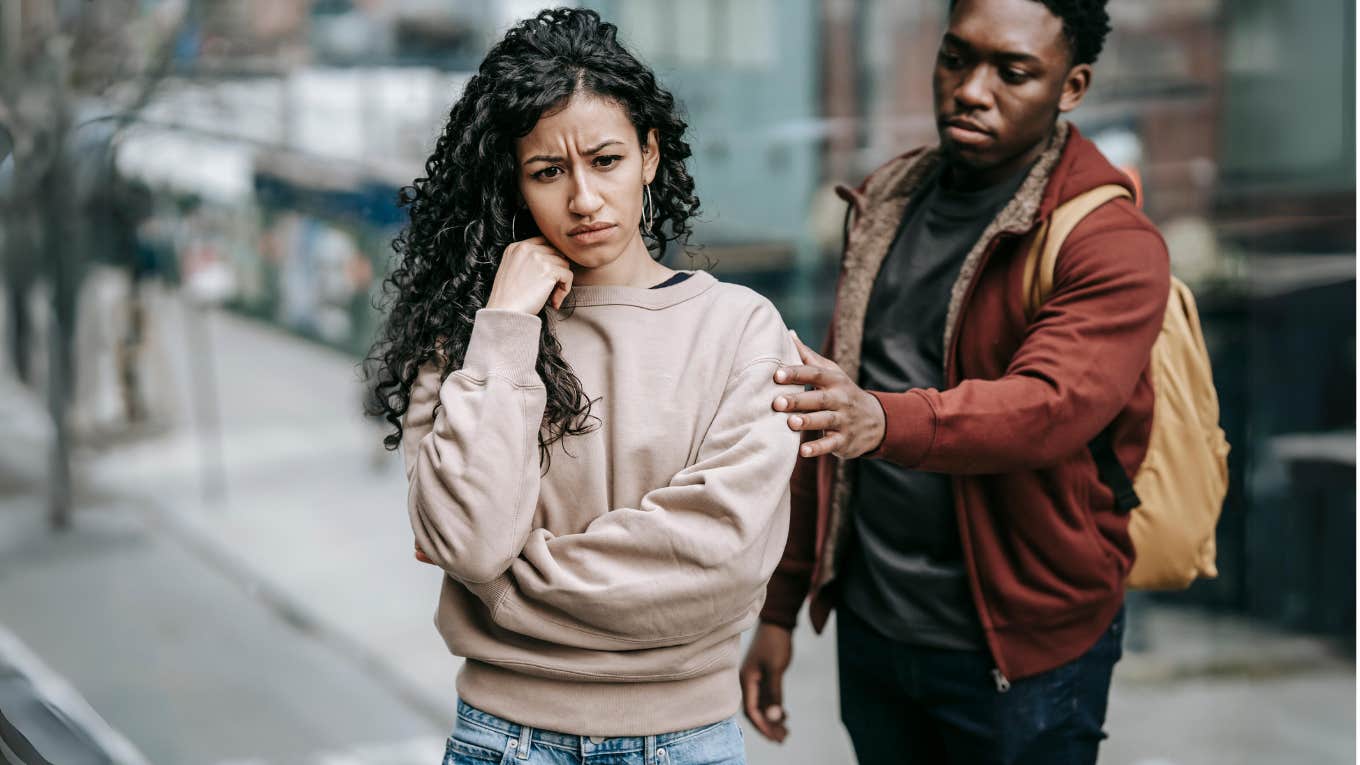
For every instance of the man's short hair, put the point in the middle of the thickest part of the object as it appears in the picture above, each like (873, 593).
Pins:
(1085, 25)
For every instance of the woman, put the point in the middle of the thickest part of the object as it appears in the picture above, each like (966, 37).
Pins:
(592, 454)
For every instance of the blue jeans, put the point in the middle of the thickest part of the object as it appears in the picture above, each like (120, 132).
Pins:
(907, 704)
(479, 738)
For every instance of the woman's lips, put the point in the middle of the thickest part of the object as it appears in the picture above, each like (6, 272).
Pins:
(594, 235)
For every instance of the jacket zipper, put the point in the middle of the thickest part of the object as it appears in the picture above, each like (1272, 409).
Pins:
(1002, 684)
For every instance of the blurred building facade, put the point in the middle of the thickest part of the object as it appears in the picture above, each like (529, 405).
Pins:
(743, 71)
(278, 143)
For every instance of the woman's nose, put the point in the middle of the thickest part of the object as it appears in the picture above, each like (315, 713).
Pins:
(585, 198)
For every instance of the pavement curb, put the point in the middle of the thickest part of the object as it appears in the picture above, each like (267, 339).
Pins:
(1151, 670)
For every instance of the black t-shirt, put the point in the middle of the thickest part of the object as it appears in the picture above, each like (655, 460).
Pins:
(905, 575)
(676, 278)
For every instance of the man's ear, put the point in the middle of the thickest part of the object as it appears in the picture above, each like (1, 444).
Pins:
(1074, 87)
(651, 157)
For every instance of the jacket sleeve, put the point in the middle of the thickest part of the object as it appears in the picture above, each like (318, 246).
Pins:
(692, 556)
(792, 580)
(1076, 368)
(472, 462)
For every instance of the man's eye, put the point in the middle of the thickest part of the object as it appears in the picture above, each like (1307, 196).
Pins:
(1014, 76)
(548, 173)
(950, 60)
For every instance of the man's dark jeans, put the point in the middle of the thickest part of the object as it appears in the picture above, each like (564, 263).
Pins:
(905, 704)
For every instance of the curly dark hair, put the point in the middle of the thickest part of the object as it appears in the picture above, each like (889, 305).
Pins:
(463, 210)
(1085, 25)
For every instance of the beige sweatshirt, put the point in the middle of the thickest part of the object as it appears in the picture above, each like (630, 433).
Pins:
(608, 596)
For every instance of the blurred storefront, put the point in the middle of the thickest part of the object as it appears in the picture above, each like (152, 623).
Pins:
(1236, 117)
(281, 189)
(168, 167)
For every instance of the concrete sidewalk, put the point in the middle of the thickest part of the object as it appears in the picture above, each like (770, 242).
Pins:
(127, 640)
(177, 658)
(312, 526)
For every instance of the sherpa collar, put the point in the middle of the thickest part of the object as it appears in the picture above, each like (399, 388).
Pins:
(877, 208)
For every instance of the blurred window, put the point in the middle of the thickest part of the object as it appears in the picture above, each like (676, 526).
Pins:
(694, 29)
(706, 34)
(640, 26)
(1286, 66)
(751, 38)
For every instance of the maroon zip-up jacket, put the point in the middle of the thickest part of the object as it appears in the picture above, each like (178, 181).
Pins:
(1045, 549)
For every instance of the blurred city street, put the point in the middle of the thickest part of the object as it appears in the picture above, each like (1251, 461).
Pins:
(205, 555)
(271, 612)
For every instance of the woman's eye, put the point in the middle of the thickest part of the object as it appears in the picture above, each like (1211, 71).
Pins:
(548, 173)
(608, 160)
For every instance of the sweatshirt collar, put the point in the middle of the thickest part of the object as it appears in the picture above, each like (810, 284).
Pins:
(640, 297)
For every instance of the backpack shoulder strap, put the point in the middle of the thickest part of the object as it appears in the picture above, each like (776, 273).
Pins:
(1040, 263)
(1042, 259)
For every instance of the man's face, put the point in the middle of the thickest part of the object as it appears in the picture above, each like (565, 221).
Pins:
(1002, 76)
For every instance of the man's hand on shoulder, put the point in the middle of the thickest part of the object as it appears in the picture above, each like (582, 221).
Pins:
(852, 421)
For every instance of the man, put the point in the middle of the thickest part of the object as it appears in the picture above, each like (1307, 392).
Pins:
(949, 501)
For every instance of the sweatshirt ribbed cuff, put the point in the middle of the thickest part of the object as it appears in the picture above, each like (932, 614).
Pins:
(504, 343)
(491, 593)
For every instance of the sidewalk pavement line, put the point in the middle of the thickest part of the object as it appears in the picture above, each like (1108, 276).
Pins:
(295, 612)
(55, 689)
(1149, 669)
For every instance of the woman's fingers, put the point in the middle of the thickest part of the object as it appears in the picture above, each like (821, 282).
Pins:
(531, 273)
(563, 288)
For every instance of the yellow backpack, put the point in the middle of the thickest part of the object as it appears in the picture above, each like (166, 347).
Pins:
(1177, 495)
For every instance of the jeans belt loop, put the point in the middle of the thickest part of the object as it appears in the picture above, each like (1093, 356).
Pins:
(525, 738)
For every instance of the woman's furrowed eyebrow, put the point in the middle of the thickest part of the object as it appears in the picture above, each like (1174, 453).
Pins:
(588, 153)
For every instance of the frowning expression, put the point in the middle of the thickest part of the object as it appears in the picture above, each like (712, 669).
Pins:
(582, 170)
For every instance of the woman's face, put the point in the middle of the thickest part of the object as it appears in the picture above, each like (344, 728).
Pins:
(581, 173)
